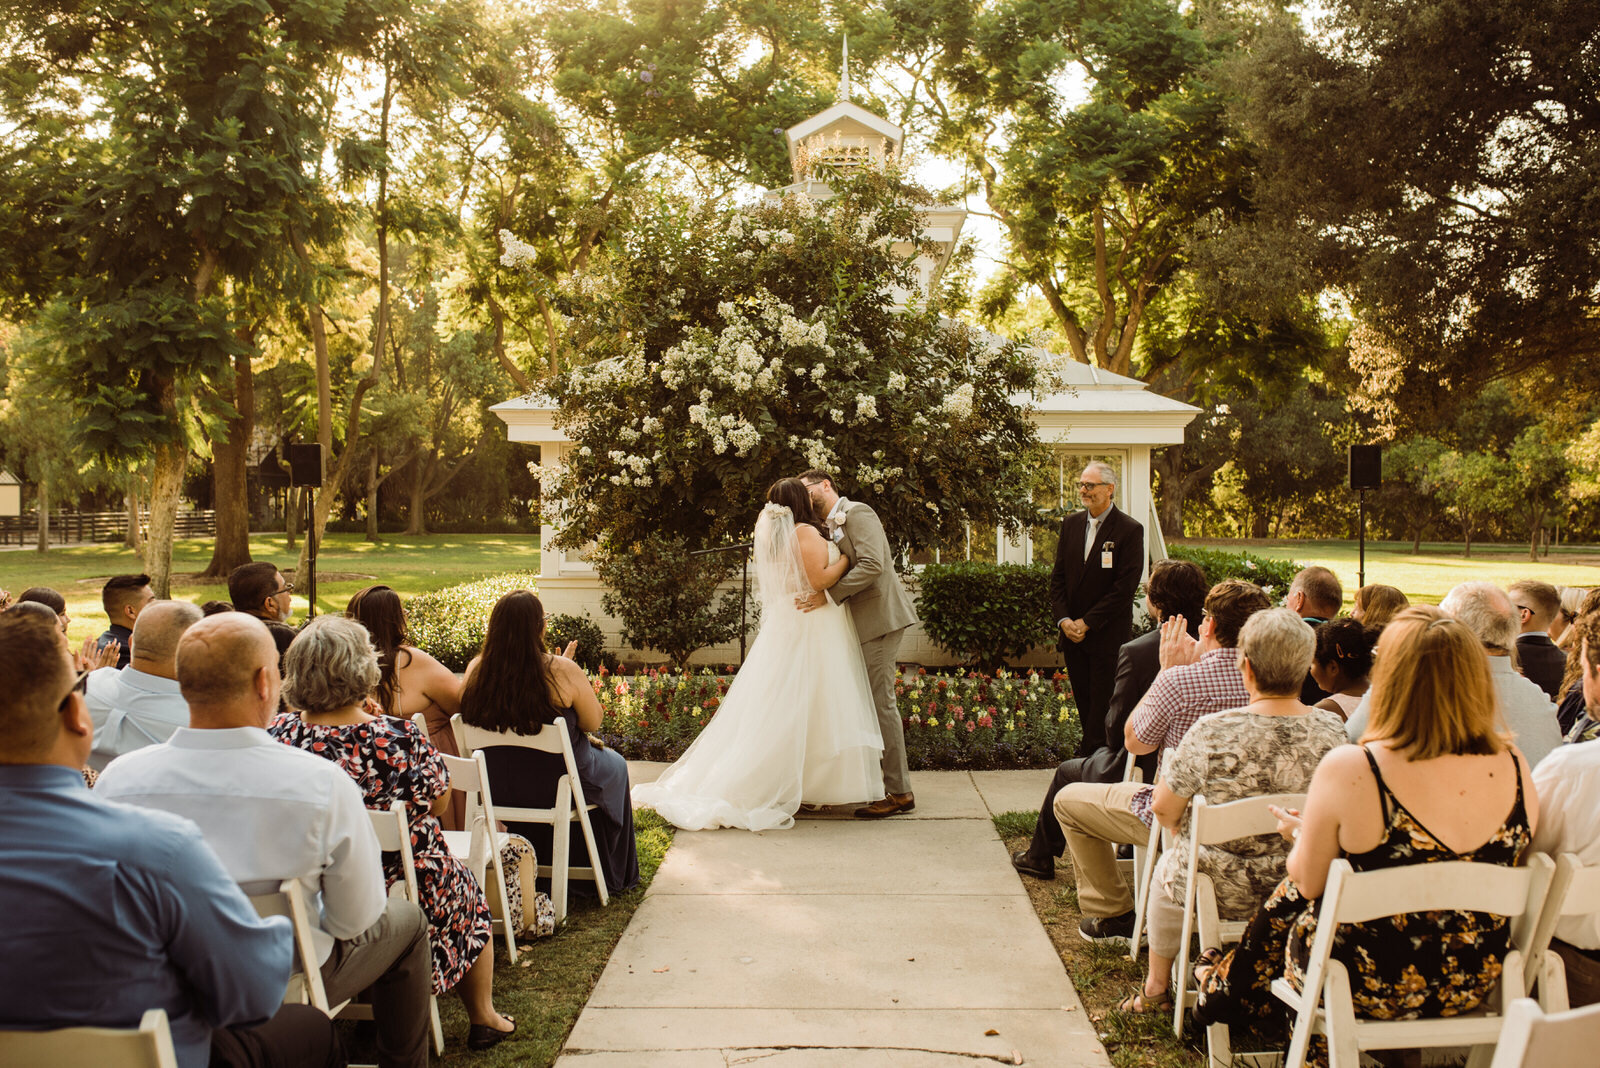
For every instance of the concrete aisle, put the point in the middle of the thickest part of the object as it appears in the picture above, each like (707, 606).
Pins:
(841, 942)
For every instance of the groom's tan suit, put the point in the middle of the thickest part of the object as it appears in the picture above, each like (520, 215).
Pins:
(881, 610)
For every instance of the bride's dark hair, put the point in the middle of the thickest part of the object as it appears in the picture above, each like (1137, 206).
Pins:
(793, 495)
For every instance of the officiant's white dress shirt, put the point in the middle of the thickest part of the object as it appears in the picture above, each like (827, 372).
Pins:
(131, 709)
(271, 812)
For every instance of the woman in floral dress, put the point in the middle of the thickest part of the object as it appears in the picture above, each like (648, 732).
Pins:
(331, 669)
(1431, 781)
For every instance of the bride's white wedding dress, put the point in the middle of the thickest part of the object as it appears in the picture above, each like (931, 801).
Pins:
(797, 724)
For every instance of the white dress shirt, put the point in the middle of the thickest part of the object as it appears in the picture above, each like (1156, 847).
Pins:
(1090, 529)
(1568, 782)
(131, 709)
(271, 812)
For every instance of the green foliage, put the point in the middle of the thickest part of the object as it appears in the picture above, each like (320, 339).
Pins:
(591, 652)
(737, 347)
(972, 721)
(1273, 576)
(668, 600)
(450, 623)
(986, 614)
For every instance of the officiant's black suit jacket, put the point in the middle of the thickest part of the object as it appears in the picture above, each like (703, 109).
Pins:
(1102, 597)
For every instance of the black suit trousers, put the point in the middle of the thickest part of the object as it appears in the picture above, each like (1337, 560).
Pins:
(1092, 671)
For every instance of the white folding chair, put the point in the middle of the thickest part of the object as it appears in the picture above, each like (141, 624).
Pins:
(1211, 825)
(394, 836)
(569, 807)
(1324, 1006)
(1574, 891)
(147, 1046)
(305, 984)
(479, 846)
(1141, 868)
(1532, 1038)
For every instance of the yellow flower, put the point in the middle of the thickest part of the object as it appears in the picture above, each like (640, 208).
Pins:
(932, 722)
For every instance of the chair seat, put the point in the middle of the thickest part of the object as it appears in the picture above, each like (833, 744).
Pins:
(1398, 1034)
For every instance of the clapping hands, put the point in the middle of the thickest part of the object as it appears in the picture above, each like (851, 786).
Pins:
(1177, 648)
(89, 658)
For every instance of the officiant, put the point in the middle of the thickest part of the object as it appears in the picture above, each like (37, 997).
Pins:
(1099, 558)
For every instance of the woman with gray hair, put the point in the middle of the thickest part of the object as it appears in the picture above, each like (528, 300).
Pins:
(1270, 746)
(331, 669)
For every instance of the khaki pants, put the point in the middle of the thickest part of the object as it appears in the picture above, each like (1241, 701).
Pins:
(1095, 819)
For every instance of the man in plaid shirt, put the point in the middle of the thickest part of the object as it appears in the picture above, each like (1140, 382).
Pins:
(1196, 679)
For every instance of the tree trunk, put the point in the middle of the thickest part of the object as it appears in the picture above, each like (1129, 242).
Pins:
(1168, 463)
(1416, 541)
(230, 477)
(43, 543)
(418, 512)
(291, 517)
(1258, 524)
(166, 487)
(372, 496)
(133, 537)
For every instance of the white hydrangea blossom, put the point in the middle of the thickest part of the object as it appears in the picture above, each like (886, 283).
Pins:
(866, 407)
(958, 403)
(897, 382)
(516, 252)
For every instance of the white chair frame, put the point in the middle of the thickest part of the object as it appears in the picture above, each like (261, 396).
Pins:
(1574, 891)
(570, 805)
(1143, 865)
(1325, 1005)
(1532, 1038)
(305, 983)
(1212, 825)
(147, 1046)
(393, 828)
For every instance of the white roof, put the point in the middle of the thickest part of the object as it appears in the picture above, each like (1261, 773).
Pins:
(850, 119)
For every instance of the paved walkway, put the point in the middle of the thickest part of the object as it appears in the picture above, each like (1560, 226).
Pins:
(841, 942)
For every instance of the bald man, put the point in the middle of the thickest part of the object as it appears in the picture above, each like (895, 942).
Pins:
(136, 892)
(140, 705)
(273, 812)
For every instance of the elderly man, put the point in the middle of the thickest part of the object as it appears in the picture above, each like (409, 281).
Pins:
(1525, 711)
(1099, 558)
(1176, 588)
(140, 705)
(112, 910)
(123, 597)
(1196, 679)
(1315, 594)
(274, 813)
(1538, 605)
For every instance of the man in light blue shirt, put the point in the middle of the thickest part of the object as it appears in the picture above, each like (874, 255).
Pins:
(140, 705)
(113, 910)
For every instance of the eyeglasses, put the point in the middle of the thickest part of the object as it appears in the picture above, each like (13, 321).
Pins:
(79, 685)
(1091, 485)
(288, 587)
(1524, 608)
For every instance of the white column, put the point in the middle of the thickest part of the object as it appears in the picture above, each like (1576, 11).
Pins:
(552, 456)
(1139, 496)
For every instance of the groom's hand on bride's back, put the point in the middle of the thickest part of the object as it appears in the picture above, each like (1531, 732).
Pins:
(810, 602)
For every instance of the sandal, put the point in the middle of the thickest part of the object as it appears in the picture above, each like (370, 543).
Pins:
(1140, 1005)
(1209, 959)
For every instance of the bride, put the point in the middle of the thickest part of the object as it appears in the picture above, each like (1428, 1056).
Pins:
(797, 724)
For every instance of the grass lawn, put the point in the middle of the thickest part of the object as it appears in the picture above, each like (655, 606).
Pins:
(1428, 575)
(412, 565)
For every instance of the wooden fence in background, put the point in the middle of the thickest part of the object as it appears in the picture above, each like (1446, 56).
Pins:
(68, 527)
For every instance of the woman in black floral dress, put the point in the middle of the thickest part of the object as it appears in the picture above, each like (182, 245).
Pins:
(331, 669)
(1432, 781)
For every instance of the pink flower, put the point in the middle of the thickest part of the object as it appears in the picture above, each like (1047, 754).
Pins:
(971, 726)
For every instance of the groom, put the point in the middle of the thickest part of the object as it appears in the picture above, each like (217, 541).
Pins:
(881, 610)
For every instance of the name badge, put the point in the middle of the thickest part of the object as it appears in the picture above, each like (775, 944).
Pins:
(1105, 555)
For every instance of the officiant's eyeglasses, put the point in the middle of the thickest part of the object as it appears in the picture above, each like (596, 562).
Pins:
(1091, 485)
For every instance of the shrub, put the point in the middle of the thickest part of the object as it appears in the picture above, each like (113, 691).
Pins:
(667, 599)
(591, 651)
(449, 623)
(1273, 576)
(985, 613)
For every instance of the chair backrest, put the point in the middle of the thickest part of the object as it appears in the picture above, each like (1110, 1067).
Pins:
(289, 900)
(147, 1046)
(1533, 1039)
(393, 829)
(1245, 818)
(1574, 891)
(553, 741)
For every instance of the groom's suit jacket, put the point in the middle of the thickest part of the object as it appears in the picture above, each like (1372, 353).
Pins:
(871, 589)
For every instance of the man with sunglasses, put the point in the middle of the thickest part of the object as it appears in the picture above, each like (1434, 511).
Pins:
(1099, 558)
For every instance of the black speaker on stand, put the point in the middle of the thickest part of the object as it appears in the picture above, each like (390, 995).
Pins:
(305, 469)
(1366, 472)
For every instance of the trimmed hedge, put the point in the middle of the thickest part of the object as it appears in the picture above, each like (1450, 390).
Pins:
(986, 614)
(449, 622)
(1273, 576)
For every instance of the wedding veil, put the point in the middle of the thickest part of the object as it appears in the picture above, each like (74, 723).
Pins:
(780, 577)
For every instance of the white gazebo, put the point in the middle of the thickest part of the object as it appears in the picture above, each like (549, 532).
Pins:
(1097, 416)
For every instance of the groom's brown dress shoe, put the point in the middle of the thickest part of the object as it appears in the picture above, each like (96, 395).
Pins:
(888, 806)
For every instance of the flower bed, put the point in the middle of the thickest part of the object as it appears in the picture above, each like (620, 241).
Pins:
(956, 721)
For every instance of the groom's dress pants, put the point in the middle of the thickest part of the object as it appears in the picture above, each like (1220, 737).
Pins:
(879, 654)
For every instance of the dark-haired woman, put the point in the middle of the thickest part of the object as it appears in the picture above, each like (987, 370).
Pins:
(515, 685)
(1342, 663)
(798, 723)
(411, 681)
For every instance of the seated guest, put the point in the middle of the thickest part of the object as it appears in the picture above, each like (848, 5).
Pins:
(112, 910)
(1523, 708)
(140, 705)
(332, 668)
(1314, 593)
(50, 599)
(1572, 598)
(38, 603)
(1537, 605)
(123, 597)
(1176, 588)
(1572, 715)
(514, 685)
(1270, 746)
(1342, 663)
(1196, 679)
(411, 681)
(1375, 605)
(259, 589)
(273, 813)
(1568, 784)
(1433, 780)
(211, 608)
